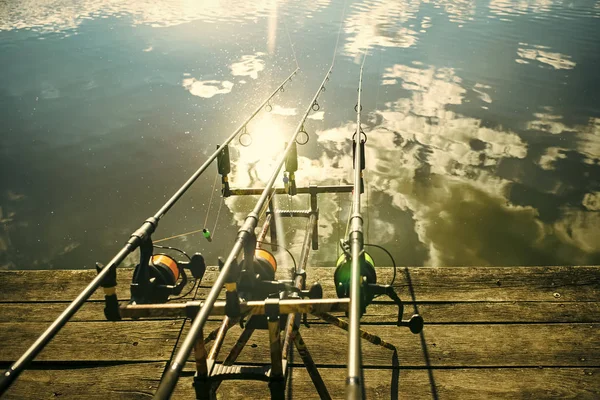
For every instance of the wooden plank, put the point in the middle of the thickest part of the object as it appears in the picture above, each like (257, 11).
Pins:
(377, 313)
(139, 381)
(94, 341)
(134, 381)
(489, 312)
(429, 284)
(561, 345)
(65, 285)
(455, 284)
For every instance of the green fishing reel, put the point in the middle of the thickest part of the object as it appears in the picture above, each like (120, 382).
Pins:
(343, 274)
(369, 288)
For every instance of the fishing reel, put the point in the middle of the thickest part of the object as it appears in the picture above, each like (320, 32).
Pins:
(159, 276)
(254, 279)
(369, 288)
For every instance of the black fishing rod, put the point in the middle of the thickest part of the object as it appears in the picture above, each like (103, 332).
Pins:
(246, 239)
(354, 383)
(137, 237)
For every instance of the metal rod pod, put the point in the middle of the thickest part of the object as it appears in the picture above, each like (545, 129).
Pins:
(171, 375)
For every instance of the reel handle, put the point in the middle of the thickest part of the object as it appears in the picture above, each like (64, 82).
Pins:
(415, 323)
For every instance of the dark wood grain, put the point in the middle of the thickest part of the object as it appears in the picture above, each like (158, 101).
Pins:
(573, 345)
(139, 381)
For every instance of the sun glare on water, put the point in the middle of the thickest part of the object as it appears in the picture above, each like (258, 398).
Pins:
(256, 161)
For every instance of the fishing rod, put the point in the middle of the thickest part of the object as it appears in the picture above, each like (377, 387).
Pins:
(355, 276)
(246, 242)
(107, 274)
(354, 383)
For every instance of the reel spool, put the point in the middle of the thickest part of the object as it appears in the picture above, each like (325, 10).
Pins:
(163, 273)
(256, 281)
(165, 277)
(166, 267)
(265, 265)
(343, 273)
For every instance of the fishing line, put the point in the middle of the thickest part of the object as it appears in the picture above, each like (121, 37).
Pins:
(339, 32)
(284, 248)
(177, 236)
(174, 249)
(291, 44)
(349, 215)
(183, 295)
(217, 220)
(212, 193)
(391, 258)
(378, 77)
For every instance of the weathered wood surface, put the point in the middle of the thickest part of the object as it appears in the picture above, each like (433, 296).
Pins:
(491, 332)
(559, 284)
(140, 381)
(377, 313)
(570, 345)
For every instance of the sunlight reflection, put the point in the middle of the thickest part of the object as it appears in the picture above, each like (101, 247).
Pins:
(59, 15)
(256, 161)
(504, 8)
(272, 27)
(542, 55)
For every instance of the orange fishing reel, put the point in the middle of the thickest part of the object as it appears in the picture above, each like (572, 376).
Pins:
(254, 279)
(265, 265)
(159, 276)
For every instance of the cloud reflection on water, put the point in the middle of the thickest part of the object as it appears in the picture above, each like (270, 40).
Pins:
(396, 24)
(378, 23)
(207, 89)
(584, 139)
(250, 65)
(438, 169)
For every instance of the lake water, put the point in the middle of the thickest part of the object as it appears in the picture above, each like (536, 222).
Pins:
(483, 124)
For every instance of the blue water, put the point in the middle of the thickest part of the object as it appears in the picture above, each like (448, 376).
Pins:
(483, 124)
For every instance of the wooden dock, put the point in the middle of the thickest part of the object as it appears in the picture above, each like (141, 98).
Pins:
(490, 332)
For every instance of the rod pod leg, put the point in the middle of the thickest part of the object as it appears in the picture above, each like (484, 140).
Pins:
(311, 367)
